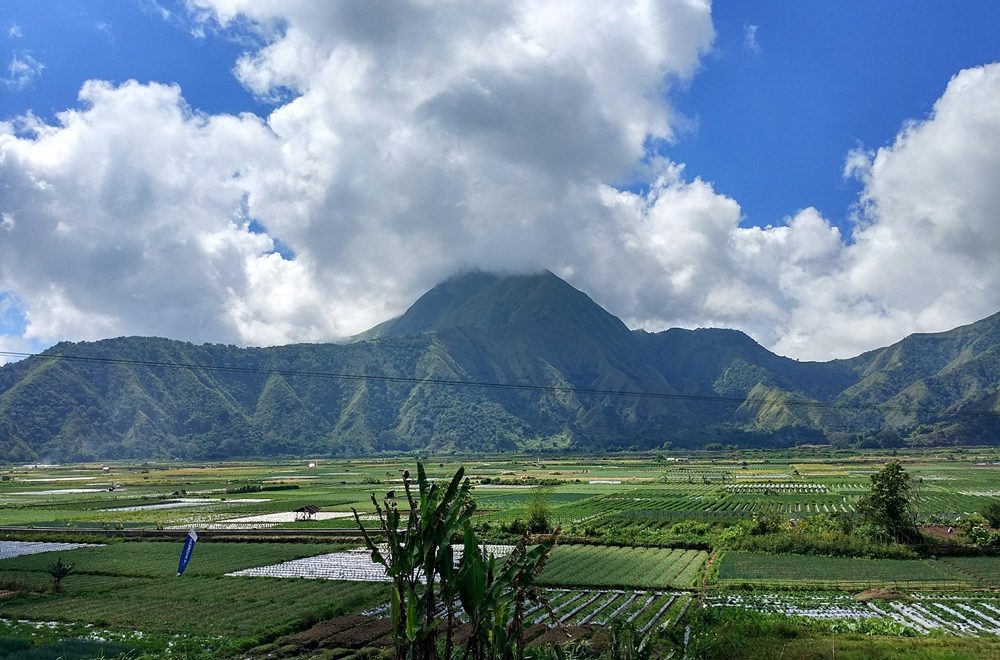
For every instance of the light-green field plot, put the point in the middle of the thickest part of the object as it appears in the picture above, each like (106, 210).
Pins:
(606, 566)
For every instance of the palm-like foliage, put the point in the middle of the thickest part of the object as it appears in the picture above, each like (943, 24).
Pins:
(420, 562)
(493, 598)
(413, 557)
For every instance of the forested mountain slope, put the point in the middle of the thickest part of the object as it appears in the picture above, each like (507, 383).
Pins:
(534, 330)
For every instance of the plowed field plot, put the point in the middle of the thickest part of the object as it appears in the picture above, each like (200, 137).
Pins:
(355, 565)
(839, 572)
(604, 566)
(9, 549)
(951, 615)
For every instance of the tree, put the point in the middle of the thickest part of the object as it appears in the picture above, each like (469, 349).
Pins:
(58, 571)
(889, 506)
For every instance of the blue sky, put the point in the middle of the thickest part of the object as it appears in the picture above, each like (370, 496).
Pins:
(392, 144)
(773, 124)
(117, 40)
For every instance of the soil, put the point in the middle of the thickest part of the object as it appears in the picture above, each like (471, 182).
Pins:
(312, 637)
(940, 532)
(881, 594)
(561, 635)
(361, 635)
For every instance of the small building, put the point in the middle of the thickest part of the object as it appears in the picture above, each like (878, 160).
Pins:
(307, 512)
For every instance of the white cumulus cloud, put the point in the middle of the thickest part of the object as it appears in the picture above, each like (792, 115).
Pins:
(414, 139)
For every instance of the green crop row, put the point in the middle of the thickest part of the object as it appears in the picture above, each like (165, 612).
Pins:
(604, 566)
(745, 567)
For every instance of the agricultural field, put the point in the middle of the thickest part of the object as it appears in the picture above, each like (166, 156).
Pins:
(599, 566)
(640, 490)
(922, 614)
(644, 539)
(842, 572)
(133, 586)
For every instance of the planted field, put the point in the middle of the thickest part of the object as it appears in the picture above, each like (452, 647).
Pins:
(604, 566)
(838, 572)
(579, 607)
(776, 488)
(355, 564)
(133, 586)
(158, 559)
(644, 609)
(196, 605)
(10, 549)
(959, 616)
(984, 570)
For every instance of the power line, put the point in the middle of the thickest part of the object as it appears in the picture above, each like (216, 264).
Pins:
(556, 389)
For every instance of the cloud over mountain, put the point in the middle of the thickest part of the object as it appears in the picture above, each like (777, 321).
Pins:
(411, 140)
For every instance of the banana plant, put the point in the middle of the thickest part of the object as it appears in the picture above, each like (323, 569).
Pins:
(493, 597)
(414, 558)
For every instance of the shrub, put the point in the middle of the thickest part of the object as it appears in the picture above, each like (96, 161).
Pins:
(538, 512)
(991, 512)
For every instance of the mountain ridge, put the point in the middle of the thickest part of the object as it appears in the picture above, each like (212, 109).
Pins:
(705, 386)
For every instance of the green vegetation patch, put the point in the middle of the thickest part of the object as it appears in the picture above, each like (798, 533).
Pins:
(132, 586)
(159, 558)
(741, 634)
(847, 572)
(224, 606)
(982, 570)
(605, 566)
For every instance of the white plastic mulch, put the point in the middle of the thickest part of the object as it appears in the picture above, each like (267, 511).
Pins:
(958, 615)
(10, 549)
(185, 502)
(351, 565)
(46, 479)
(61, 491)
(289, 516)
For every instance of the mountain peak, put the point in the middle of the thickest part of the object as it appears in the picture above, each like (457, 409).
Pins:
(481, 299)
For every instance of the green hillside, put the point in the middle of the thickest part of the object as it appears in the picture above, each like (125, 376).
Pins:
(533, 330)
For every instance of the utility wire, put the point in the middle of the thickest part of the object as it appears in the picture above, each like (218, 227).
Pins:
(571, 389)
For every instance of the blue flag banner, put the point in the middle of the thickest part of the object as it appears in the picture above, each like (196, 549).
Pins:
(189, 542)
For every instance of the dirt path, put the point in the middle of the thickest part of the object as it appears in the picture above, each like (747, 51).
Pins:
(704, 577)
